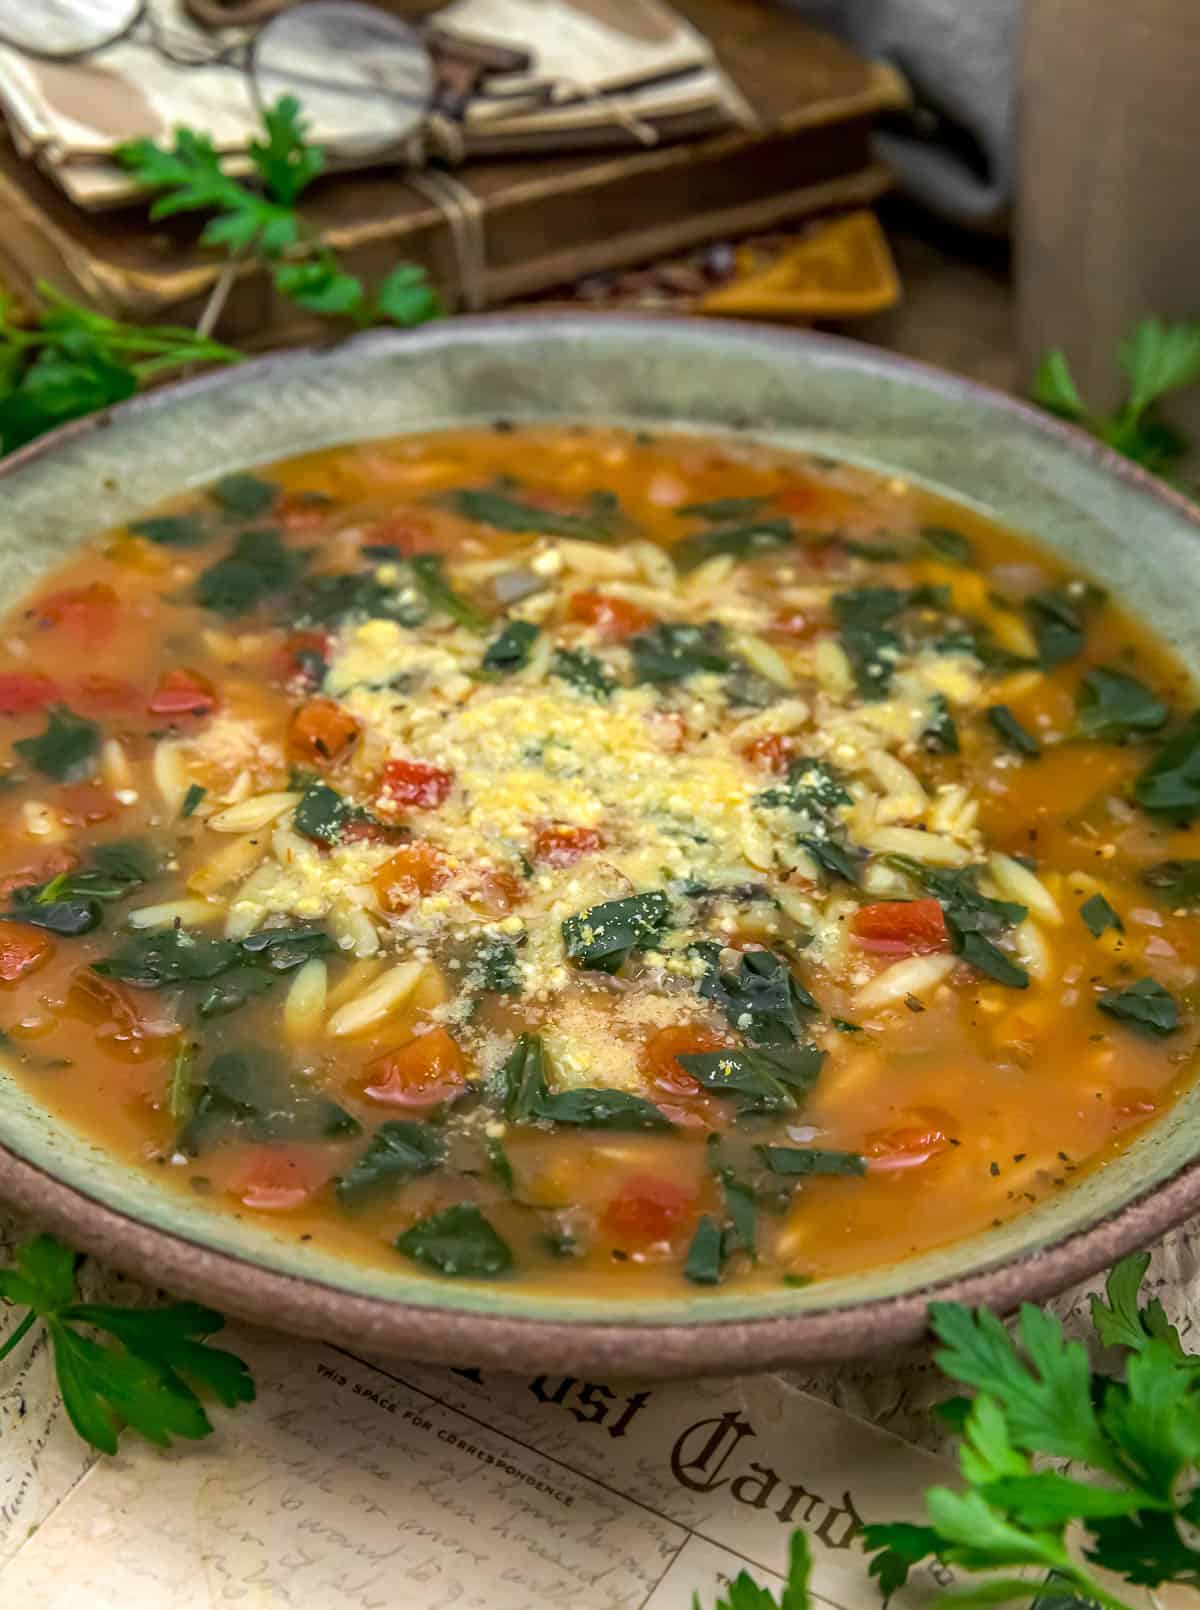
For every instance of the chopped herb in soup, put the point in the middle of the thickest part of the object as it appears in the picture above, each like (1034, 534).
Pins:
(608, 862)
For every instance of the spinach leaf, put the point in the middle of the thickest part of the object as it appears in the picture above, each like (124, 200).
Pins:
(493, 968)
(762, 999)
(498, 508)
(427, 572)
(1110, 706)
(765, 1080)
(602, 937)
(706, 1254)
(349, 595)
(671, 651)
(171, 530)
(516, 1088)
(832, 857)
(1170, 784)
(1179, 881)
(256, 566)
(741, 541)
(717, 510)
(968, 931)
(252, 1093)
(244, 496)
(600, 1109)
(949, 544)
(740, 1203)
(70, 904)
(66, 750)
(880, 552)
(191, 799)
(322, 814)
(155, 957)
(1144, 1005)
(810, 1160)
(1011, 732)
(812, 788)
(399, 1150)
(283, 949)
(1099, 915)
(865, 621)
(511, 649)
(500, 1164)
(940, 735)
(456, 1241)
(973, 637)
(1057, 624)
(232, 989)
(584, 672)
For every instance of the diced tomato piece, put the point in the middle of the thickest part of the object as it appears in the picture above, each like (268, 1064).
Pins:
(410, 533)
(23, 949)
(85, 803)
(279, 1178)
(416, 869)
(772, 752)
(367, 830)
(909, 1145)
(100, 695)
(415, 784)
(89, 613)
(659, 1057)
(499, 891)
(813, 500)
(427, 1071)
(22, 692)
(614, 618)
(322, 731)
(901, 927)
(182, 693)
(647, 1209)
(125, 1026)
(559, 844)
(302, 657)
(300, 511)
(56, 861)
(801, 625)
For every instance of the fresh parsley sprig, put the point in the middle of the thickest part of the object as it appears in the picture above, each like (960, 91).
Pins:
(1132, 1442)
(145, 1376)
(1156, 359)
(260, 219)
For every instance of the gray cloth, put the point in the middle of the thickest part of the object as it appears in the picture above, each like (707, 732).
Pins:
(959, 56)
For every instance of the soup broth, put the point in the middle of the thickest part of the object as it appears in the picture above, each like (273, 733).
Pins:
(621, 862)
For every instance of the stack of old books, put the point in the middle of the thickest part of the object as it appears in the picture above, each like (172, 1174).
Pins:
(631, 128)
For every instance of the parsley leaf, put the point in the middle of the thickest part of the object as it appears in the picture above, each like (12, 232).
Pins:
(1144, 1005)
(744, 1593)
(399, 1150)
(1054, 387)
(603, 937)
(66, 750)
(456, 1241)
(1111, 705)
(145, 1377)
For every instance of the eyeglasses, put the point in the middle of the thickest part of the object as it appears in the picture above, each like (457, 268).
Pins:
(353, 67)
